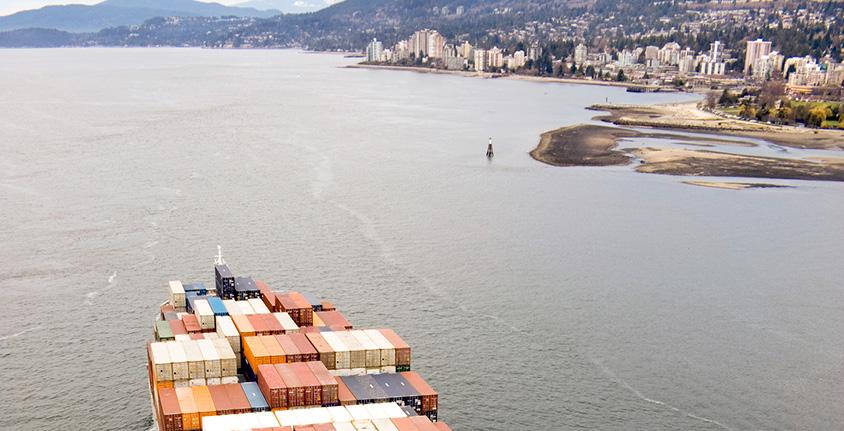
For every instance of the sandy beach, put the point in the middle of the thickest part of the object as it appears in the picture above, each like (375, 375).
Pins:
(687, 117)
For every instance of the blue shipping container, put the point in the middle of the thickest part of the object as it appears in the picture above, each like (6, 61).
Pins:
(255, 397)
(217, 306)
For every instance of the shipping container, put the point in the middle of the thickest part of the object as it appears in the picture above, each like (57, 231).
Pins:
(324, 350)
(190, 413)
(365, 389)
(224, 281)
(291, 350)
(245, 288)
(402, 349)
(238, 397)
(388, 352)
(220, 397)
(254, 397)
(162, 368)
(179, 361)
(344, 395)
(258, 305)
(272, 387)
(373, 352)
(163, 332)
(276, 354)
(312, 386)
(177, 327)
(427, 394)
(326, 381)
(232, 307)
(198, 288)
(334, 319)
(399, 390)
(357, 353)
(295, 388)
(177, 295)
(286, 322)
(191, 323)
(196, 363)
(217, 306)
(170, 413)
(341, 352)
(228, 360)
(204, 314)
(211, 358)
(243, 325)
(226, 328)
(306, 349)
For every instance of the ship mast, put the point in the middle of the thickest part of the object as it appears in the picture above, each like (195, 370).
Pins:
(218, 259)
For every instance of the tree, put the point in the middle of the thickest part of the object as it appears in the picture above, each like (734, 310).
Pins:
(620, 76)
(784, 114)
(711, 99)
(747, 110)
(590, 71)
(818, 115)
(573, 69)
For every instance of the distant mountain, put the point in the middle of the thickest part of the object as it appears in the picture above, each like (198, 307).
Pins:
(288, 6)
(115, 13)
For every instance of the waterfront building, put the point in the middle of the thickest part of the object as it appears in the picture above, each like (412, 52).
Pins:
(466, 50)
(652, 53)
(374, 51)
(419, 43)
(580, 54)
(495, 58)
(480, 60)
(519, 60)
(436, 43)
(755, 49)
(669, 54)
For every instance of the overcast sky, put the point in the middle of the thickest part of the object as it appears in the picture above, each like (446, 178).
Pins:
(11, 6)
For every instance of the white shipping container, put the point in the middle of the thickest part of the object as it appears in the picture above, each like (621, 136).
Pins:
(339, 414)
(213, 381)
(390, 369)
(179, 360)
(204, 314)
(228, 360)
(264, 420)
(317, 416)
(358, 412)
(245, 307)
(357, 354)
(373, 352)
(286, 322)
(183, 337)
(177, 295)
(231, 307)
(286, 418)
(226, 329)
(388, 352)
(364, 425)
(211, 357)
(196, 364)
(392, 410)
(181, 383)
(341, 352)
(258, 306)
(197, 382)
(229, 380)
(341, 373)
(384, 425)
(376, 411)
(344, 426)
(162, 368)
(357, 371)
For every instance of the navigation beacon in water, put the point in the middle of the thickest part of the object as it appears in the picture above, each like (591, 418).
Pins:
(489, 153)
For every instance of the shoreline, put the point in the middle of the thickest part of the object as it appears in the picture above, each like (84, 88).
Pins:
(687, 117)
(514, 77)
(595, 145)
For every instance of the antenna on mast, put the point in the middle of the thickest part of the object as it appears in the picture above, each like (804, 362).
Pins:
(489, 153)
(218, 259)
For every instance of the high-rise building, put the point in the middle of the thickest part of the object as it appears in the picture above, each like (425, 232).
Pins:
(580, 53)
(374, 51)
(436, 42)
(495, 58)
(419, 43)
(480, 60)
(519, 60)
(466, 50)
(755, 49)
(715, 51)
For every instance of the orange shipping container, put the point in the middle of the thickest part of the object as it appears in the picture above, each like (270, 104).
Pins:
(241, 322)
(190, 414)
(326, 353)
(274, 350)
(204, 402)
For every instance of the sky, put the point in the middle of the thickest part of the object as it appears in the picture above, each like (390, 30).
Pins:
(11, 6)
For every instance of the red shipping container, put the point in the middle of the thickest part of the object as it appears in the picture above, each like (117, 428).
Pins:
(272, 386)
(313, 388)
(404, 424)
(272, 325)
(326, 381)
(306, 349)
(220, 397)
(423, 423)
(258, 324)
(402, 349)
(334, 319)
(290, 349)
(295, 388)
(177, 327)
(170, 418)
(191, 323)
(344, 395)
(237, 398)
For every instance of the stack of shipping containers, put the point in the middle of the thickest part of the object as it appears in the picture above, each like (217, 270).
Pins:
(241, 356)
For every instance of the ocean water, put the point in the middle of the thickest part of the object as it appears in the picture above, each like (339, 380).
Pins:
(535, 297)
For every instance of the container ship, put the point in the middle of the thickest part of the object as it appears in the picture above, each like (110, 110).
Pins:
(238, 355)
